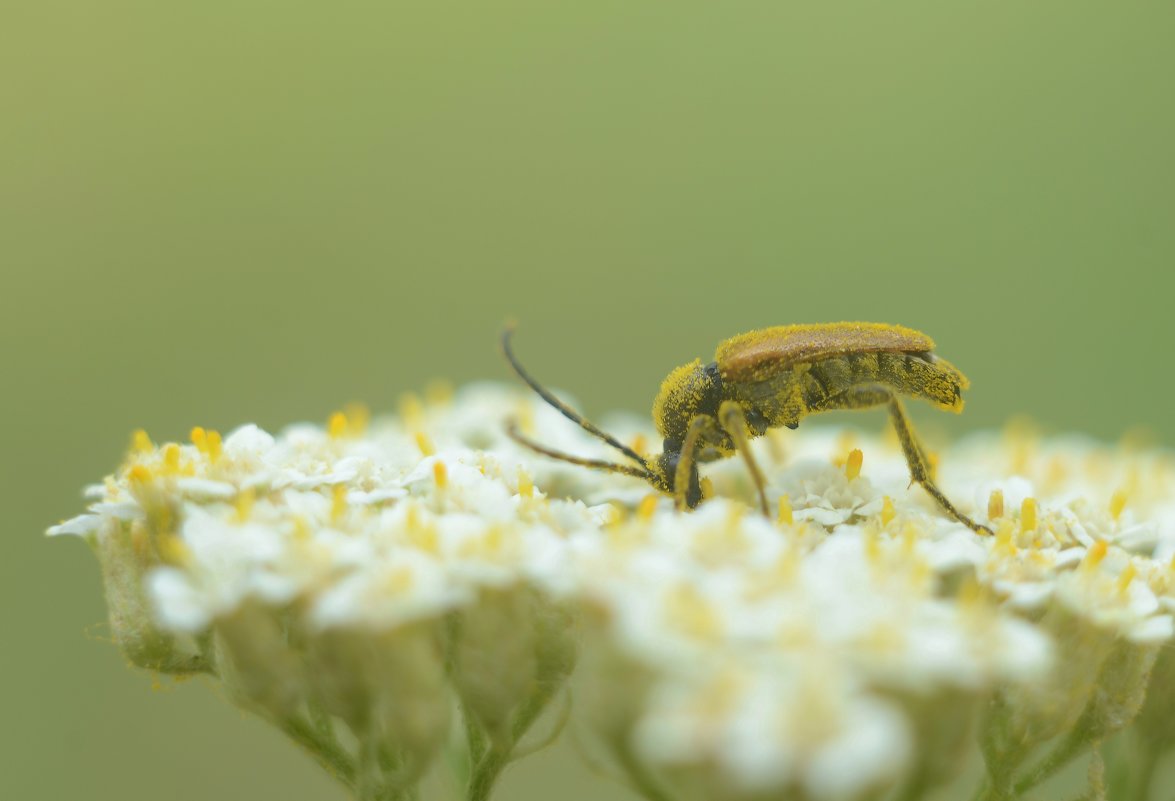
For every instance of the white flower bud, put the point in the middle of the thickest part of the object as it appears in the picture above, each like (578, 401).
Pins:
(390, 689)
(256, 663)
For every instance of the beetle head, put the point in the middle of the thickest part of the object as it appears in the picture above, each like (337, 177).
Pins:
(663, 476)
(691, 390)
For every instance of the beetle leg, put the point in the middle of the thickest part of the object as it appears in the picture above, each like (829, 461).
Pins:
(920, 469)
(734, 423)
(688, 459)
(916, 461)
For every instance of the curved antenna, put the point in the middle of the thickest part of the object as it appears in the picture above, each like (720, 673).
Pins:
(514, 434)
(566, 410)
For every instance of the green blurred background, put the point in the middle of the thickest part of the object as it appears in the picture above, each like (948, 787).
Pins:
(216, 212)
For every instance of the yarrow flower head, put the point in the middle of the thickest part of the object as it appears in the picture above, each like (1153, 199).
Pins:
(387, 591)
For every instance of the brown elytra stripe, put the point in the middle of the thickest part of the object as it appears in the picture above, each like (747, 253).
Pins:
(742, 358)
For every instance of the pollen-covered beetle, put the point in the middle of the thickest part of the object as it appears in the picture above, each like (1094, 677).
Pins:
(775, 377)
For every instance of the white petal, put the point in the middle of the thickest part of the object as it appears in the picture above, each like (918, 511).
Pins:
(205, 489)
(80, 526)
(178, 606)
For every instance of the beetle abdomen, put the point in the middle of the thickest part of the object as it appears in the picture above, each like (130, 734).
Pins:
(798, 390)
(918, 375)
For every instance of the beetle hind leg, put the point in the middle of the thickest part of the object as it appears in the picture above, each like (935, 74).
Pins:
(734, 423)
(920, 468)
(919, 465)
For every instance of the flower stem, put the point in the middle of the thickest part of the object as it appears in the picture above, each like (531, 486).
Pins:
(323, 747)
(1072, 747)
(1142, 775)
(486, 772)
(913, 790)
(639, 777)
(556, 729)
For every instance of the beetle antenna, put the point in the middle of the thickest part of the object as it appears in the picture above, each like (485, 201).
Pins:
(599, 464)
(566, 410)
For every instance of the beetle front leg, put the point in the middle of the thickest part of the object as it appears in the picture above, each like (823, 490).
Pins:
(687, 461)
(734, 423)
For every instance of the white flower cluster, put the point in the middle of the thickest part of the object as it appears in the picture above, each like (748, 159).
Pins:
(359, 584)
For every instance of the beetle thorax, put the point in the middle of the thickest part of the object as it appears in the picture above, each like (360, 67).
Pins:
(688, 391)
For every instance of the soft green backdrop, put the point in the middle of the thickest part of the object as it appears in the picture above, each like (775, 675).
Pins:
(220, 212)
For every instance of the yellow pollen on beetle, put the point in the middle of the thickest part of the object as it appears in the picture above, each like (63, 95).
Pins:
(199, 438)
(1117, 503)
(338, 502)
(707, 488)
(440, 474)
(336, 426)
(995, 504)
(171, 457)
(888, 513)
(215, 445)
(785, 517)
(1028, 515)
(424, 443)
(244, 504)
(853, 464)
(646, 508)
(525, 484)
(140, 442)
(1126, 577)
(1095, 554)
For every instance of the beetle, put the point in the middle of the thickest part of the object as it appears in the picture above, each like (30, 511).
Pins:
(769, 378)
